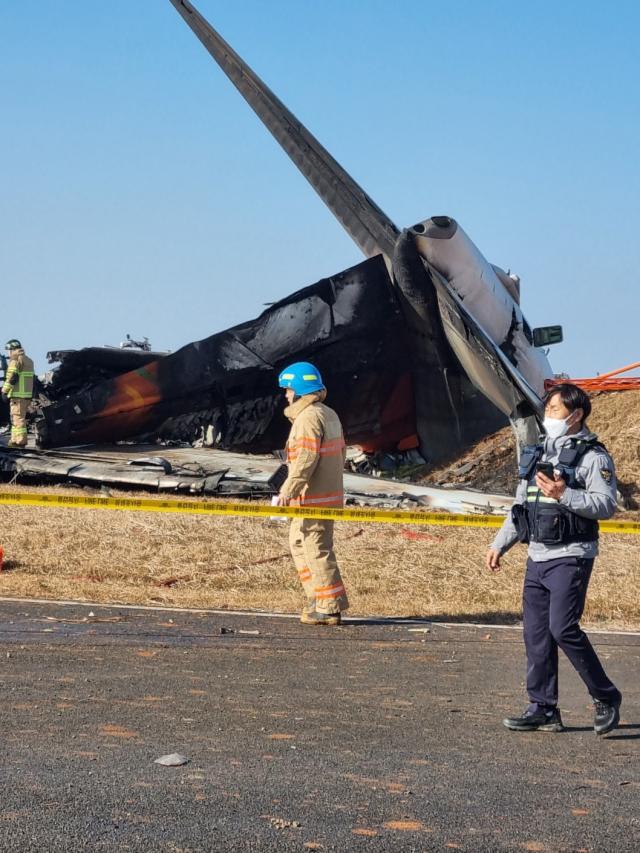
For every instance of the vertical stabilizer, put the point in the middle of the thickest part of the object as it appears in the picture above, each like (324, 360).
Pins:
(363, 220)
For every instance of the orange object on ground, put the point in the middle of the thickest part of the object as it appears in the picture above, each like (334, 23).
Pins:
(1, 558)
(611, 381)
(414, 536)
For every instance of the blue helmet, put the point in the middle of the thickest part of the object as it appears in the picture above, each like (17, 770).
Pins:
(302, 377)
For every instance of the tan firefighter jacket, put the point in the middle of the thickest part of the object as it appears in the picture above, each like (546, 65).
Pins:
(315, 452)
(18, 381)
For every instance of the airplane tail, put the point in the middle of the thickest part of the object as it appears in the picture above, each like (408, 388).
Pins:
(366, 224)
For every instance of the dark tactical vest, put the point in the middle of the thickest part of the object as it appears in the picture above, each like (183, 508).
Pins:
(543, 519)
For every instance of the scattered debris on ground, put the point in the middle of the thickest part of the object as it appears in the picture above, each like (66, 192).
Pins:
(281, 823)
(219, 473)
(488, 464)
(174, 759)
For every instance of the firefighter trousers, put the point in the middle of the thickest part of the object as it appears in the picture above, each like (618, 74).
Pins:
(18, 412)
(311, 542)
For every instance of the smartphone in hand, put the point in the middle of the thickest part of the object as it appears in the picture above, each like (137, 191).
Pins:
(545, 468)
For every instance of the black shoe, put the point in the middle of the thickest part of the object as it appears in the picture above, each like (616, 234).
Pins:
(606, 716)
(536, 721)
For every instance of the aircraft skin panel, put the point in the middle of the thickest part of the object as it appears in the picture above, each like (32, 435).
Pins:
(484, 363)
(79, 369)
(380, 377)
(350, 324)
(445, 246)
(369, 227)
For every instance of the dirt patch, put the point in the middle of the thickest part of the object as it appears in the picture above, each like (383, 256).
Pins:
(490, 464)
(616, 420)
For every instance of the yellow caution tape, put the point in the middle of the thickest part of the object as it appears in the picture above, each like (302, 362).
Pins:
(253, 510)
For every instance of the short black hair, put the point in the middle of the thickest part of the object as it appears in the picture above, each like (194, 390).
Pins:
(572, 397)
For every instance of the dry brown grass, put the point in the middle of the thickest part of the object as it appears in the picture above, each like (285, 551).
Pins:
(122, 557)
(616, 421)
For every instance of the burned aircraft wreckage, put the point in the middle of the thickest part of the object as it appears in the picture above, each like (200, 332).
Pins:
(423, 344)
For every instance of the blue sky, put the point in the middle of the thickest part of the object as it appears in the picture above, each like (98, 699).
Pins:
(140, 194)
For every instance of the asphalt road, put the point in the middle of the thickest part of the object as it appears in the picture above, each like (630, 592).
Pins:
(367, 737)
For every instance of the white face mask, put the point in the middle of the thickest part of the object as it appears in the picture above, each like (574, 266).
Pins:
(556, 427)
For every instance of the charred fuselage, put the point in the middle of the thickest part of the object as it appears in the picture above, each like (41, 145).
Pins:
(393, 381)
(422, 345)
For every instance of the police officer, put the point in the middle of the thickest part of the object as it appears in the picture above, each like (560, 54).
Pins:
(18, 390)
(315, 452)
(567, 484)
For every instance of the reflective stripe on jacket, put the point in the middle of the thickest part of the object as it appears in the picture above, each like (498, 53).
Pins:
(596, 499)
(18, 381)
(315, 452)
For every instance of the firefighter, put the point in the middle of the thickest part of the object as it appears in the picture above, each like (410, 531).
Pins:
(567, 483)
(18, 390)
(315, 453)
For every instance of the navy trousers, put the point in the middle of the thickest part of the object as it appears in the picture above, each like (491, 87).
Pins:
(553, 601)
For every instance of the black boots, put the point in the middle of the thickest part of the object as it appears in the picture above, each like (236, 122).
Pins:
(540, 720)
(606, 716)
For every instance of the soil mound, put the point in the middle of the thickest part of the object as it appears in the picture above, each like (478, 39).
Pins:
(490, 464)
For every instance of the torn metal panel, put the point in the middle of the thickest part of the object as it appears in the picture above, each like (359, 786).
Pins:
(79, 369)
(376, 491)
(221, 473)
(350, 324)
(138, 466)
(384, 381)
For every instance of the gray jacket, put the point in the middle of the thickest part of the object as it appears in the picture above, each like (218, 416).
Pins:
(597, 500)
